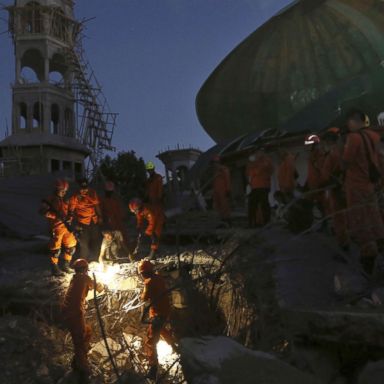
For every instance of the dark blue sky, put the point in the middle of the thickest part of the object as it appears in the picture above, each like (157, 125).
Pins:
(151, 57)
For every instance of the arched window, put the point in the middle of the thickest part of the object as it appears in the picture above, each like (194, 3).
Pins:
(56, 78)
(31, 21)
(38, 114)
(22, 118)
(58, 68)
(28, 75)
(55, 119)
(68, 123)
(32, 61)
(58, 24)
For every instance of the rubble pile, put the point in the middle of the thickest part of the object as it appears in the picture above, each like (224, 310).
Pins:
(32, 352)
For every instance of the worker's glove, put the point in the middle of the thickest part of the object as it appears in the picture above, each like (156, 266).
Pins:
(50, 215)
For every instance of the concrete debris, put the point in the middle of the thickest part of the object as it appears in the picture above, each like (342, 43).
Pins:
(32, 352)
(222, 360)
(99, 353)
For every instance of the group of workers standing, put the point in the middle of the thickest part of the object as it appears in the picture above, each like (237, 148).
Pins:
(345, 171)
(76, 225)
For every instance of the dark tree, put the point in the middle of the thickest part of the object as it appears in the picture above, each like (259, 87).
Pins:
(127, 171)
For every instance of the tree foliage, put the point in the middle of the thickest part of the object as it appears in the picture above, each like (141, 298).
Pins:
(127, 171)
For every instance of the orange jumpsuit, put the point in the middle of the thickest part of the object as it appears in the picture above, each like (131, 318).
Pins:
(86, 209)
(113, 213)
(155, 291)
(61, 237)
(155, 221)
(286, 175)
(154, 190)
(314, 177)
(365, 224)
(259, 174)
(221, 191)
(336, 203)
(74, 318)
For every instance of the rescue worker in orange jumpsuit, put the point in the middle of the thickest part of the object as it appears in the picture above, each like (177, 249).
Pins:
(287, 175)
(73, 310)
(259, 172)
(314, 176)
(155, 222)
(221, 189)
(155, 292)
(154, 193)
(361, 164)
(113, 211)
(63, 241)
(84, 208)
(332, 175)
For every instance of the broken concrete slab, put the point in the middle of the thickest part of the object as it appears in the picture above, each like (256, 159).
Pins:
(222, 360)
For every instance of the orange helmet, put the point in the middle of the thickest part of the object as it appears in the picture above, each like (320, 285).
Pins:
(80, 264)
(145, 266)
(135, 205)
(61, 185)
(109, 186)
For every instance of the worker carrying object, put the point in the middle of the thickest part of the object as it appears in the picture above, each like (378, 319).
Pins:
(155, 221)
(113, 211)
(63, 240)
(73, 310)
(154, 193)
(156, 294)
(221, 189)
(259, 172)
(362, 174)
(84, 209)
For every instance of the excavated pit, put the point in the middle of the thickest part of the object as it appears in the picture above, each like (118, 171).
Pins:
(229, 287)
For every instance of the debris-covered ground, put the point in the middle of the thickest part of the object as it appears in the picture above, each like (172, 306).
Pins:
(267, 290)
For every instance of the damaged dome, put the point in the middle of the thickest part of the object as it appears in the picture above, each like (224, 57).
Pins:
(300, 70)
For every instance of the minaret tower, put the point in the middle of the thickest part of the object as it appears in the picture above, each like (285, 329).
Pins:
(44, 137)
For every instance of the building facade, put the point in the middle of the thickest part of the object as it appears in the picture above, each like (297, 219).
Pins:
(43, 138)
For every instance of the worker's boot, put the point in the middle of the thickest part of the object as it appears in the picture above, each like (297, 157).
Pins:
(152, 373)
(56, 270)
(152, 255)
(66, 268)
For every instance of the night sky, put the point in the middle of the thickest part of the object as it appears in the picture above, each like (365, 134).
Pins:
(151, 57)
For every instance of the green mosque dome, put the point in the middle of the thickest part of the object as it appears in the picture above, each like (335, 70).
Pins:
(299, 71)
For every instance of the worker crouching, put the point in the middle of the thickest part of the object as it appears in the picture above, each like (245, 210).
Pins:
(73, 311)
(156, 294)
(113, 247)
(155, 221)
